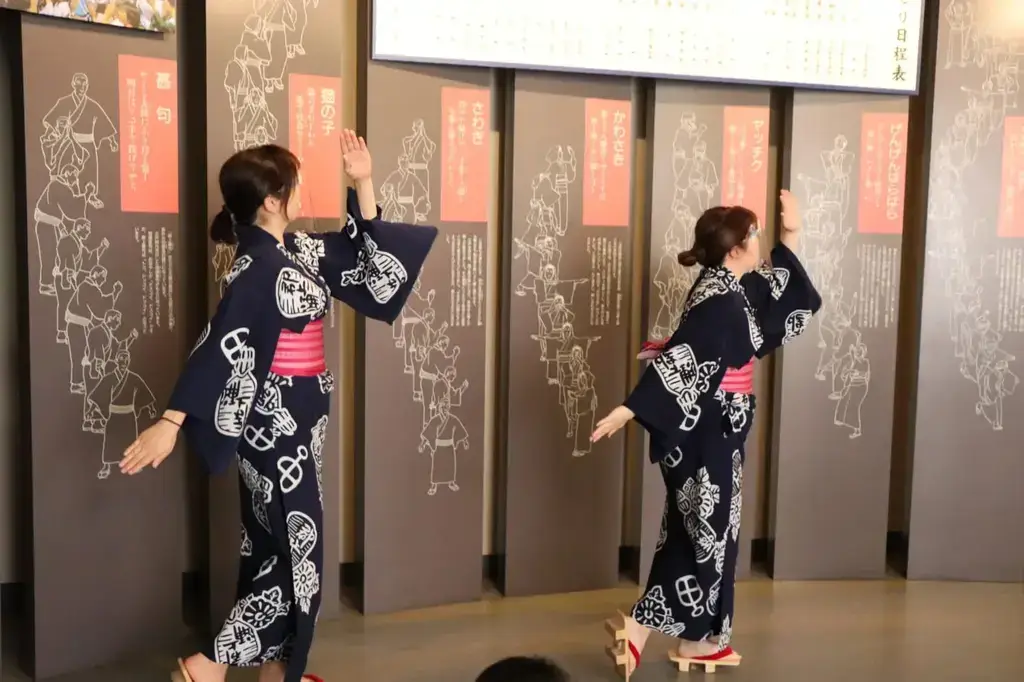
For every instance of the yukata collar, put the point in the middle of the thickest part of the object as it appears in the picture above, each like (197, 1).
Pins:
(724, 275)
(253, 235)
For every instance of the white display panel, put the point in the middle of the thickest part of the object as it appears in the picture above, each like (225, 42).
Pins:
(871, 45)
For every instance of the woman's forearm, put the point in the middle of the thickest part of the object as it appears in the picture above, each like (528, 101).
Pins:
(791, 238)
(367, 199)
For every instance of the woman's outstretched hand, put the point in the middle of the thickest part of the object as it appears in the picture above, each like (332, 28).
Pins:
(152, 447)
(355, 156)
(611, 424)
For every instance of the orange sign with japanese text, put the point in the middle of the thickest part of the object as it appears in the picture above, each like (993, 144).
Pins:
(465, 154)
(607, 162)
(883, 173)
(1011, 189)
(744, 159)
(314, 135)
(148, 112)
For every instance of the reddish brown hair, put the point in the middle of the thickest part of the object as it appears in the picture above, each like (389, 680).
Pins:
(718, 231)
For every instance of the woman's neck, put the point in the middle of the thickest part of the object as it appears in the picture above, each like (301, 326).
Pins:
(735, 270)
(274, 228)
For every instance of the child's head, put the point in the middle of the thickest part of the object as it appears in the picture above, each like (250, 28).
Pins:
(523, 669)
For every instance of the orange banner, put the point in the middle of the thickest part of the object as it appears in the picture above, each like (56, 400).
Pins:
(607, 163)
(465, 154)
(883, 173)
(148, 112)
(1011, 191)
(745, 158)
(314, 117)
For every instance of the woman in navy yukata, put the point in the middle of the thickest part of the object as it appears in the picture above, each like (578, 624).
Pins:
(696, 401)
(257, 385)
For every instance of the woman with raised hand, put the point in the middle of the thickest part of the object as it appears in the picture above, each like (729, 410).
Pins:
(696, 401)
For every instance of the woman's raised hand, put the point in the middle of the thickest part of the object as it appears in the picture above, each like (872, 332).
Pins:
(355, 156)
(790, 211)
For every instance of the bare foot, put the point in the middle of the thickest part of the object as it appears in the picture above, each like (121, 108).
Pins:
(715, 640)
(202, 669)
(688, 649)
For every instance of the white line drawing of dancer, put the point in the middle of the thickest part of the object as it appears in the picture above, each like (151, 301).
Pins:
(695, 181)
(444, 433)
(245, 82)
(703, 176)
(72, 259)
(855, 374)
(412, 314)
(89, 127)
(843, 356)
(86, 308)
(562, 351)
(103, 347)
(223, 259)
(990, 98)
(59, 207)
(406, 190)
(428, 355)
(297, 33)
(272, 35)
(278, 18)
(87, 319)
(121, 397)
(580, 400)
(962, 41)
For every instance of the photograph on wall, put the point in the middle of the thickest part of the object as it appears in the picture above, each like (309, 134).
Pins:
(145, 15)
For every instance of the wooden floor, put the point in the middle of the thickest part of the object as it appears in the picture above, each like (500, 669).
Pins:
(889, 631)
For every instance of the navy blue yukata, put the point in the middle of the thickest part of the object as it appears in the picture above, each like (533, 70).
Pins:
(698, 427)
(275, 424)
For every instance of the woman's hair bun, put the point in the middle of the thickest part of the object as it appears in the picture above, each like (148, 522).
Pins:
(690, 257)
(222, 229)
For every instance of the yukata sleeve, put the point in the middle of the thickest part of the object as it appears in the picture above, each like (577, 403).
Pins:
(678, 386)
(783, 297)
(224, 373)
(371, 265)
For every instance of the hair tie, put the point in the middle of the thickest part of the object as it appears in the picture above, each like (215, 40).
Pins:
(229, 214)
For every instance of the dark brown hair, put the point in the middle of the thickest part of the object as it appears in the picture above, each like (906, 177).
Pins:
(524, 669)
(718, 231)
(246, 180)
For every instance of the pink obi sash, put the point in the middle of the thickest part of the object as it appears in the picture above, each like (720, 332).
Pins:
(735, 380)
(739, 380)
(302, 354)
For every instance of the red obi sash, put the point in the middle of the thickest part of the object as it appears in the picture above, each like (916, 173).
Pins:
(302, 354)
(735, 380)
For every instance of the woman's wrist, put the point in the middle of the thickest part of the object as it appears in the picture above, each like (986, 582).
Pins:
(173, 417)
